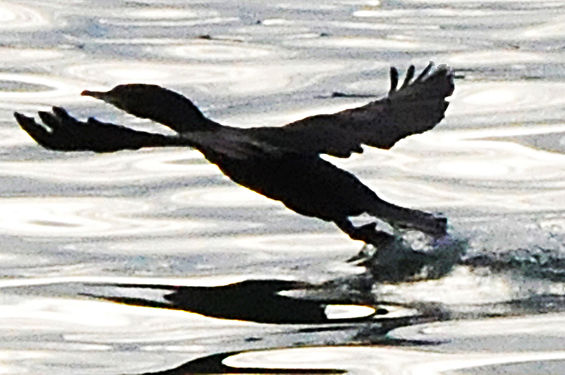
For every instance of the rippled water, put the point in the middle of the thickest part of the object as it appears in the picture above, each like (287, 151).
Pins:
(237, 282)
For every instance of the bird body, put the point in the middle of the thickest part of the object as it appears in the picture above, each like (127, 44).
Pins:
(317, 188)
(281, 163)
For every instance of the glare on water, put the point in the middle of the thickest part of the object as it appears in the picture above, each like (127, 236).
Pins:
(161, 230)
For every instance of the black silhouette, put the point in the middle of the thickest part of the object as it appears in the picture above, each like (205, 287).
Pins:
(214, 364)
(281, 163)
(258, 301)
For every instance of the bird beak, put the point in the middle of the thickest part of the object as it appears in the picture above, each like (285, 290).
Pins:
(94, 94)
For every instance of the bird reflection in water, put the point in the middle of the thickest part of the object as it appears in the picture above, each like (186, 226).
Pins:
(282, 163)
(261, 301)
(305, 305)
(214, 364)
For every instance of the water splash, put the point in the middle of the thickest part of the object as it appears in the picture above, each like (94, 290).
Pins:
(412, 256)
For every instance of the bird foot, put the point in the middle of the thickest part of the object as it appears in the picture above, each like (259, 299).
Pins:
(427, 223)
(369, 234)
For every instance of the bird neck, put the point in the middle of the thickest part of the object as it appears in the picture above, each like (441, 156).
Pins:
(183, 117)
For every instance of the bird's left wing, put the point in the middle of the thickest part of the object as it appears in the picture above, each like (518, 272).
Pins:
(417, 106)
(62, 132)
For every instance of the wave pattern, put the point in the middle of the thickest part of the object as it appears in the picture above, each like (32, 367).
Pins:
(144, 228)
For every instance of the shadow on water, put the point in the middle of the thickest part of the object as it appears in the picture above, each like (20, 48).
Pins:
(267, 319)
(366, 314)
(213, 364)
(264, 301)
(261, 301)
(251, 300)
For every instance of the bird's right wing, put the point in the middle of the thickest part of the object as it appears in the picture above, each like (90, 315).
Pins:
(417, 106)
(62, 132)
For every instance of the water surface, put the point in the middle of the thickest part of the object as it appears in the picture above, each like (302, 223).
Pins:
(211, 277)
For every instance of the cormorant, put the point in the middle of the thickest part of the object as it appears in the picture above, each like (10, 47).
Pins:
(281, 163)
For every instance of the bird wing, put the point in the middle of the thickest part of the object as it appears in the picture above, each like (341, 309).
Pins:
(62, 132)
(417, 106)
(236, 144)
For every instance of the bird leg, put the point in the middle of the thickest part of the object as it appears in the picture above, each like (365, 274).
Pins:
(422, 221)
(366, 233)
(406, 218)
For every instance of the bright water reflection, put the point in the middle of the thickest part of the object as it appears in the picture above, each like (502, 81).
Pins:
(143, 228)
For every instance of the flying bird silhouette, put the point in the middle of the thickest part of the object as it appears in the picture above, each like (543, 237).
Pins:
(282, 163)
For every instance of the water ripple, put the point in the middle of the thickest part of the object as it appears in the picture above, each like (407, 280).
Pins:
(168, 22)
(11, 56)
(554, 29)
(168, 212)
(219, 51)
(387, 361)
(249, 78)
(221, 197)
(33, 88)
(19, 17)
(399, 43)
(115, 169)
(85, 217)
(507, 96)
(491, 58)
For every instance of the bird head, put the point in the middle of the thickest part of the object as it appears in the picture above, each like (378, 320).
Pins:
(155, 103)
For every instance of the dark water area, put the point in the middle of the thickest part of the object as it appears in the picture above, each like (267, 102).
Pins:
(153, 262)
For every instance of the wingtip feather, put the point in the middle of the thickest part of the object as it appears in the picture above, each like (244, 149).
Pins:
(393, 79)
(425, 72)
(409, 75)
(21, 118)
(60, 112)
